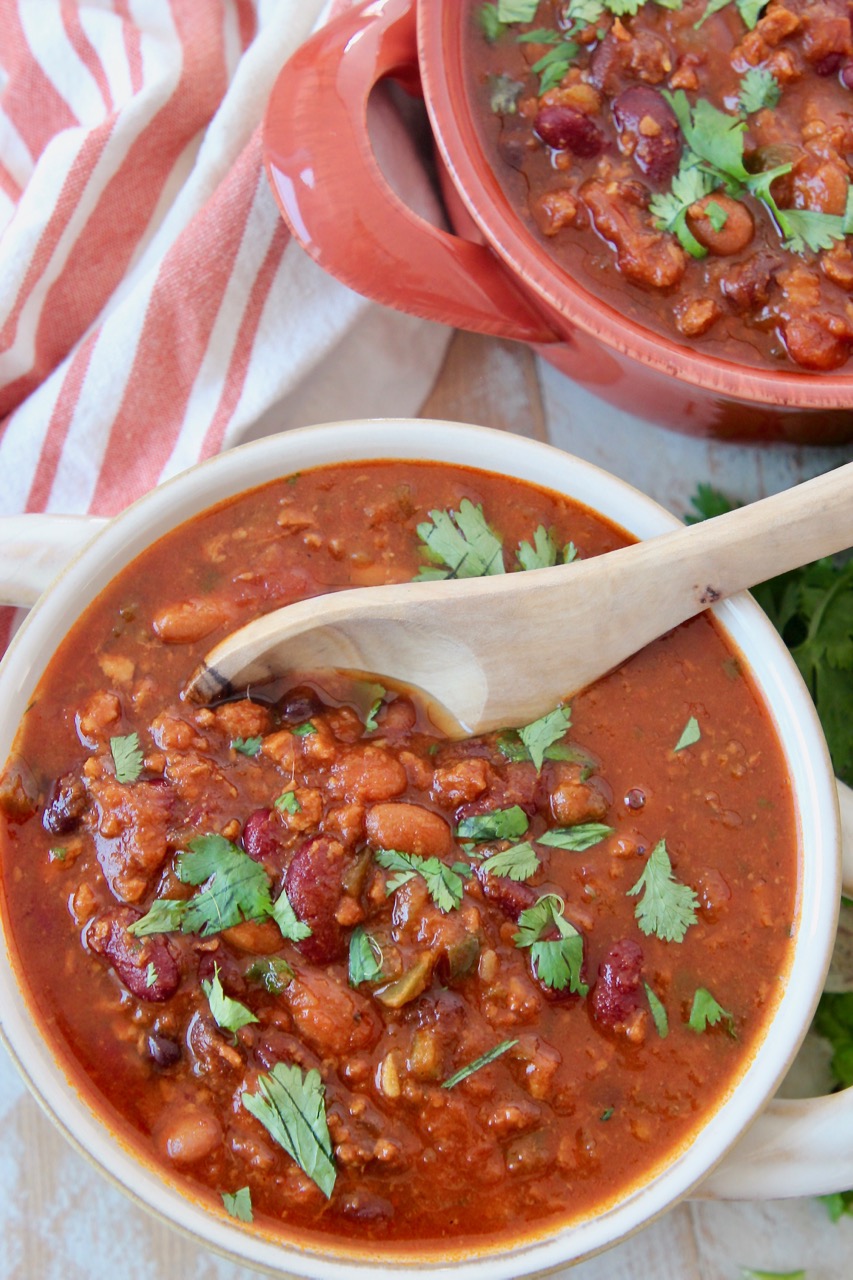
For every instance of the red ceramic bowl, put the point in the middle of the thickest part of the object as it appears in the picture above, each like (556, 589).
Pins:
(492, 277)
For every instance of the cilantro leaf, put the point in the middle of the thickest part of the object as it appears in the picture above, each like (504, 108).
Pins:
(127, 757)
(239, 1204)
(165, 915)
(498, 824)
(556, 962)
(834, 1021)
(490, 23)
(460, 541)
(236, 888)
(758, 88)
(669, 208)
(690, 734)
(668, 907)
(706, 1012)
(554, 64)
(365, 958)
(538, 736)
(713, 6)
(370, 722)
(287, 920)
(584, 13)
(303, 730)
(227, 1013)
(578, 838)
(708, 502)
(749, 1273)
(271, 972)
(517, 10)
(150, 974)
(750, 11)
(445, 884)
(659, 1017)
(808, 228)
(483, 1061)
(504, 93)
(543, 552)
(247, 746)
(291, 1107)
(519, 862)
(287, 803)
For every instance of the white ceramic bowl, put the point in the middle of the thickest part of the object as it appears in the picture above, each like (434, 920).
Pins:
(795, 1148)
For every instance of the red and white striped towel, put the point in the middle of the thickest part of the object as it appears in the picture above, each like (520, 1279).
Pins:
(153, 309)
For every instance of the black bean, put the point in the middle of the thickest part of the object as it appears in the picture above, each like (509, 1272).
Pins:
(65, 806)
(163, 1051)
(299, 704)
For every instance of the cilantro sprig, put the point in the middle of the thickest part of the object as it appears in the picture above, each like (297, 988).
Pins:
(706, 1012)
(667, 907)
(497, 824)
(556, 961)
(445, 883)
(460, 544)
(365, 958)
(127, 757)
(228, 1014)
(483, 1061)
(238, 1204)
(291, 1107)
(543, 552)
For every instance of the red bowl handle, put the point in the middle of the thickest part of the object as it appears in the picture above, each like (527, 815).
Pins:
(337, 203)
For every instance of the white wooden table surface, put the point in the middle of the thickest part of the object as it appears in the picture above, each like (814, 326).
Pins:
(60, 1220)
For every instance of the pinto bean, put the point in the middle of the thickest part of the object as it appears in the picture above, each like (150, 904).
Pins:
(408, 827)
(188, 1133)
(313, 886)
(566, 129)
(649, 132)
(721, 224)
(146, 966)
(189, 620)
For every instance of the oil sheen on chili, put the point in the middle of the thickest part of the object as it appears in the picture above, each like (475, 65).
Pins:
(339, 973)
(687, 161)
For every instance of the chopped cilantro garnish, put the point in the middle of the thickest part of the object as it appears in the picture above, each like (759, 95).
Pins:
(706, 1012)
(271, 972)
(690, 734)
(668, 907)
(517, 10)
(490, 23)
(365, 958)
(227, 1013)
(577, 838)
(519, 862)
(127, 757)
(150, 974)
(749, 1273)
(541, 734)
(303, 730)
(164, 916)
(287, 920)
(460, 544)
(544, 552)
(504, 93)
(57, 853)
(834, 1021)
(247, 746)
(291, 1107)
(557, 961)
(498, 824)
(554, 64)
(287, 803)
(759, 88)
(658, 1012)
(669, 208)
(236, 888)
(370, 722)
(239, 1204)
(445, 884)
(482, 1061)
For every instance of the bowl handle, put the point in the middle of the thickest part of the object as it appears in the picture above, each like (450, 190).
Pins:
(35, 548)
(796, 1147)
(334, 197)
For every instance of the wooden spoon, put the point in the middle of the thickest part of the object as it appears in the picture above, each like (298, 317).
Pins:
(502, 650)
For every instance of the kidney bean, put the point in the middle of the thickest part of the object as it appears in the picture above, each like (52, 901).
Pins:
(566, 129)
(313, 886)
(261, 839)
(649, 132)
(146, 966)
(66, 804)
(511, 896)
(616, 994)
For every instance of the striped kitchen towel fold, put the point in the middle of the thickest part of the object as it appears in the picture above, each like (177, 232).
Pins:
(153, 309)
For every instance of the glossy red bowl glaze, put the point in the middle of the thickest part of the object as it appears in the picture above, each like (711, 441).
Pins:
(493, 276)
